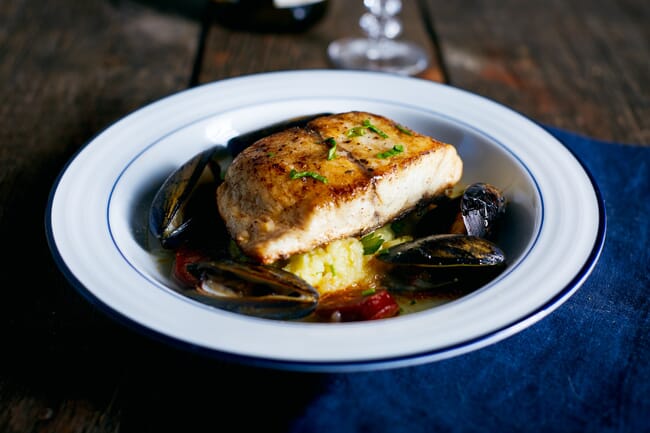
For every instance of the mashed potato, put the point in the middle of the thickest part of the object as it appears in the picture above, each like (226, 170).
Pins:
(340, 264)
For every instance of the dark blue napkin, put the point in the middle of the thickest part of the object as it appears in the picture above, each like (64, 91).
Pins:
(583, 368)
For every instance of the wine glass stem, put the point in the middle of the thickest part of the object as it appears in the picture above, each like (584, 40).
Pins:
(381, 26)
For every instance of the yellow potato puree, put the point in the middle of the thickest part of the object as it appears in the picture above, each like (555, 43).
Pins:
(340, 264)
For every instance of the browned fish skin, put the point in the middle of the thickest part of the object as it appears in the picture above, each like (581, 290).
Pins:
(272, 216)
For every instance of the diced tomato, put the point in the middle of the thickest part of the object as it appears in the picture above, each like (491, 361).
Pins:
(184, 257)
(349, 307)
(379, 306)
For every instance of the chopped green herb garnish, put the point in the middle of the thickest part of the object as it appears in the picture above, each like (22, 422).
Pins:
(398, 148)
(270, 154)
(331, 154)
(299, 174)
(332, 270)
(371, 243)
(373, 128)
(370, 291)
(357, 131)
(403, 129)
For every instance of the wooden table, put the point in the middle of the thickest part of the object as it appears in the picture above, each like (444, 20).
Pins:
(70, 69)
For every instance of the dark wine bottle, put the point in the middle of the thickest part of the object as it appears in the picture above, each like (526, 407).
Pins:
(269, 16)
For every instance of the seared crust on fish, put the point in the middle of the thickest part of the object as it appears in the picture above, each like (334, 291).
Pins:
(282, 195)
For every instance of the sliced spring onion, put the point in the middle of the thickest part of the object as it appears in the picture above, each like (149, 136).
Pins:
(397, 149)
(373, 128)
(300, 174)
(357, 131)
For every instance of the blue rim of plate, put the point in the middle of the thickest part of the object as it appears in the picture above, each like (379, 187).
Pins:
(348, 366)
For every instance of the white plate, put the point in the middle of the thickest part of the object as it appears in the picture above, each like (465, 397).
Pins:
(96, 225)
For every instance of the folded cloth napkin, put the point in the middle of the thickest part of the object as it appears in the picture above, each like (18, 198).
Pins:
(583, 368)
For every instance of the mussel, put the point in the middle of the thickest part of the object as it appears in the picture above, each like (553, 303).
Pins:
(482, 207)
(173, 215)
(442, 260)
(478, 211)
(255, 290)
(444, 251)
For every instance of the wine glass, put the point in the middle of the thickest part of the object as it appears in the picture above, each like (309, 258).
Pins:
(379, 51)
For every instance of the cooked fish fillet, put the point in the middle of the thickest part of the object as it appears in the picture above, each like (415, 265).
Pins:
(282, 195)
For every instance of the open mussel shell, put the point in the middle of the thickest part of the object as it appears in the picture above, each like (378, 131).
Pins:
(444, 250)
(482, 207)
(186, 202)
(450, 281)
(442, 261)
(254, 290)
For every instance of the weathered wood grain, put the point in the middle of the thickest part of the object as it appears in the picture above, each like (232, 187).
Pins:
(229, 53)
(68, 69)
(583, 65)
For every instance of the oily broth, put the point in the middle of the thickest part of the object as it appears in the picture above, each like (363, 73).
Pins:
(364, 273)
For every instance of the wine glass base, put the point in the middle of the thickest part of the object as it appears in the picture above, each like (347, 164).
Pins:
(398, 57)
